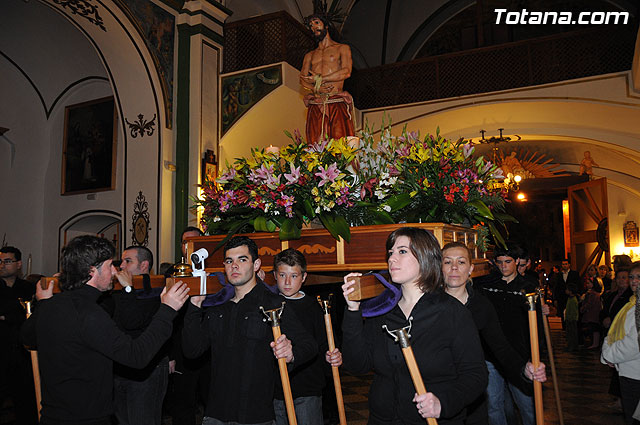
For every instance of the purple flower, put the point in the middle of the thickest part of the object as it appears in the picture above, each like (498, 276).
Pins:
(229, 175)
(261, 174)
(486, 167)
(467, 149)
(318, 146)
(413, 136)
(328, 175)
(498, 174)
(403, 150)
(294, 176)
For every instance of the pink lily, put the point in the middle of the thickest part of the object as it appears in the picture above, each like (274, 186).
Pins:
(261, 173)
(328, 175)
(294, 176)
(228, 176)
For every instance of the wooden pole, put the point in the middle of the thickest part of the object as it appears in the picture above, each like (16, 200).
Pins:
(274, 317)
(402, 336)
(334, 369)
(36, 370)
(556, 390)
(535, 356)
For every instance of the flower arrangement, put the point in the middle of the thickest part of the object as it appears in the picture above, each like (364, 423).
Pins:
(342, 183)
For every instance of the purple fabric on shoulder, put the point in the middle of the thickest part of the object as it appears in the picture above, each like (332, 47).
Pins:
(383, 303)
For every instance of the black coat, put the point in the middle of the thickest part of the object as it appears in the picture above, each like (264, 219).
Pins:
(243, 367)
(77, 343)
(447, 349)
(495, 345)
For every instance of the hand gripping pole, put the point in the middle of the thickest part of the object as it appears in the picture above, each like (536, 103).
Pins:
(274, 317)
(325, 304)
(535, 354)
(402, 337)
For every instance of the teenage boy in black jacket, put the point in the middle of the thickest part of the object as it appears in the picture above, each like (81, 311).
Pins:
(243, 353)
(504, 290)
(307, 382)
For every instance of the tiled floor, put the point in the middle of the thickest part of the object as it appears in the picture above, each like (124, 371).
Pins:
(583, 382)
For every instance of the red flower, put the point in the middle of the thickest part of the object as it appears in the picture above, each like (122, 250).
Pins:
(368, 187)
(241, 197)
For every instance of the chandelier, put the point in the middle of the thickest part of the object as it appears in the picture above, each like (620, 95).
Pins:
(511, 167)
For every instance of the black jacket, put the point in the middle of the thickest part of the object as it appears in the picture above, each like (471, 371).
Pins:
(77, 343)
(13, 312)
(511, 308)
(447, 349)
(308, 379)
(610, 308)
(133, 312)
(243, 367)
(495, 345)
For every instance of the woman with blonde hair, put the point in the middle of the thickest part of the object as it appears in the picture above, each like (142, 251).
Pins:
(457, 268)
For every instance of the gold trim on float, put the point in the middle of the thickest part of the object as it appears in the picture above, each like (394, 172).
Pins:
(315, 248)
(265, 250)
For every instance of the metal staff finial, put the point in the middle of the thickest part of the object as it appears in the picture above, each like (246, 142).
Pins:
(532, 298)
(401, 335)
(325, 304)
(273, 315)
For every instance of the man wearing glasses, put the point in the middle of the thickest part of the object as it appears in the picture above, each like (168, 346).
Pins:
(10, 265)
(15, 367)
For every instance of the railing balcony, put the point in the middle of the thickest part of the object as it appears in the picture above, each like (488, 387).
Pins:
(278, 37)
(262, 40)
(525, 63)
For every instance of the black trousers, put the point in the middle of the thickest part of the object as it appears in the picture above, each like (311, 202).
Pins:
(19, 387)
(630, 389)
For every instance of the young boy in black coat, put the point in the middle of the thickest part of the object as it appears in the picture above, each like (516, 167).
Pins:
(307, 381)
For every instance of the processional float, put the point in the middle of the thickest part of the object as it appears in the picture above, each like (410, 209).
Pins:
(325, 256)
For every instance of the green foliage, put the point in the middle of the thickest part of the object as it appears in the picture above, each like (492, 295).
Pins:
(350, 182)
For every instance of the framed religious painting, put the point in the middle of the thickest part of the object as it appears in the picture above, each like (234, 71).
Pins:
(631, 234)
(209, 166)
(89, 147)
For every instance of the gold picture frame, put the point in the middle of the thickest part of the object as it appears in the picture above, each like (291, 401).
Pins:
(630, 234)
(89, 147)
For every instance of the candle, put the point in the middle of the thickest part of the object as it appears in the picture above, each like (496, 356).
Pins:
(272, 149)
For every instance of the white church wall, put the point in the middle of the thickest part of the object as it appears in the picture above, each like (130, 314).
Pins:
(624, 205)
(264, 124)
(60, 208)
(22, 180)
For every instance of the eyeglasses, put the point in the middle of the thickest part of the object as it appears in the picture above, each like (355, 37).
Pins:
(8, 261)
